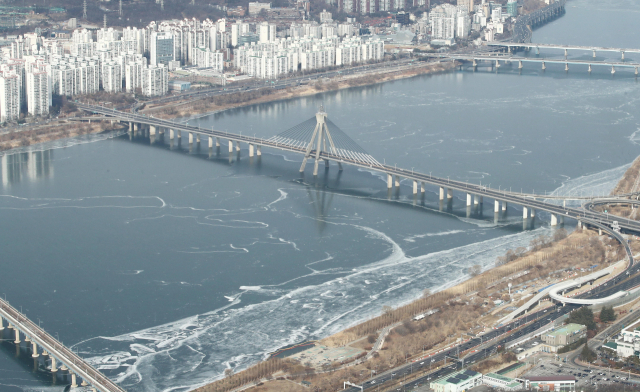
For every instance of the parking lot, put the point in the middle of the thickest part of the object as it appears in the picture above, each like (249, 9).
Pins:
(585, 376)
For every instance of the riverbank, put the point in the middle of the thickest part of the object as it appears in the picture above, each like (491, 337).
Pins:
(194, 107)
(58, 130)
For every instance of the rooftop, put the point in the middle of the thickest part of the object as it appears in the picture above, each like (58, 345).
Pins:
(551, 378)
(499, 377)
(566, 330)
(458, 377)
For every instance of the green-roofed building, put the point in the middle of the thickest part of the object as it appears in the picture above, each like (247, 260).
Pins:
(561, 337)
(501, 382)
(457, 382)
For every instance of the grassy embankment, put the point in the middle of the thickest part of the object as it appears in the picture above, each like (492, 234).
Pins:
(462, 309)
(629, 183)
(235, 100)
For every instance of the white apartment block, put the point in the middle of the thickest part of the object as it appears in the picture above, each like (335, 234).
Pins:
(133, 74)
(205, 58)
(112, 76)
(74, 75)
(38, 92)
(155, 80)
(267, 32)
(10, 95)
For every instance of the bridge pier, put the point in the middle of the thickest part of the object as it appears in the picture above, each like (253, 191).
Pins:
(449, 193)
(525, 213)
(136, 127)
(566, 66)
(504, 206)
(589, 68)
(397, 181)
(636, 71)
(622, 55)
(554, 220)
(533, 212)
(130, 127)
(441, 193)
(496, 206)
(476, 200)
(594, 53)
(198, 138)
(73, 381)
(422, 187)
(469, 199)
(565, 53)
(17, 341)
(217, 142)
(520, 64)
(613, 70)
(230, 146)
(34, 348)
(543, 66)
(259, 153)
(190, 137)
(172, 134)
(415, 187)
(210, 141)
(251, 151)
(53, 365)
(152, 130)
(389, 181)
(237, 145)
(538, 50)
(497, 64)
(1, 324)
(84, 383)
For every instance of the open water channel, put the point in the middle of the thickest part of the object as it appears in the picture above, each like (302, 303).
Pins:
(165, 267)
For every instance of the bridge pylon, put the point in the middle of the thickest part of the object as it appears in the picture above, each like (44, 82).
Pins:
(319, 140)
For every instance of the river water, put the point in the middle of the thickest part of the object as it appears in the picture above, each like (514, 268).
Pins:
(165, 266)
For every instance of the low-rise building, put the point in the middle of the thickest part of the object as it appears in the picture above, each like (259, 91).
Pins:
(551, 383)
(628, 343)
(561, 337)
(501, 382)
(457, 382)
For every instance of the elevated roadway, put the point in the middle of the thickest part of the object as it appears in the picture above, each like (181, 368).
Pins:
(57, 351)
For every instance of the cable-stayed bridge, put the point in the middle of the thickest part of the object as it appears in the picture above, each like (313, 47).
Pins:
(321, 140)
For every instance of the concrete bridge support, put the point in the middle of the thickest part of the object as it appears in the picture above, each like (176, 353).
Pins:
(533, 212)
(613, 70)
(497, 64)
(622, 55)
(53, 365)
(449, 193)
(74, 383)
(636, 71)
(230, 146)
(566, 66)
(210, 141)
(469, 196)
(172, 134)
(422, 187)
(441, 193)
(34, 348)
(237, 146)
(389, 181)
(504, 206)
(17, 341)
(554, 220)
(84, 383)
(594, 54)
(543, 66)
(525, 213)
(152, 130)
(1, 324)
(520, 64)
(589, 68)
(198, 138)
(415, 187)
(251, 152)
(476, 200)
(496, 206)
(130, 127)
(190, 137)
(259, 153)
(217, 142)
(136, 127)
(397, 181)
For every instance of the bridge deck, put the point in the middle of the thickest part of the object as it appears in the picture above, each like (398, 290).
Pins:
(529, 201)
(572, 47)
(57, 350)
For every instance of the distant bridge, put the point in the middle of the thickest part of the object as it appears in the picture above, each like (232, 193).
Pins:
(522, 29)
(320, 140)
(517, 46)
(56, 351)
(497, 60)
